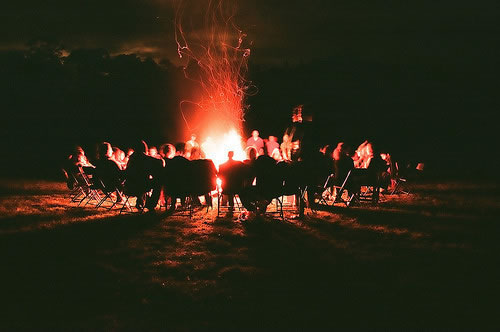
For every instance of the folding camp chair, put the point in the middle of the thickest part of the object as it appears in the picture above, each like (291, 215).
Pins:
(399, 182)
(129, 193)
(76, 190)
(180, 203)
(321, 194)
(287, 202)
(108, 194)
(90, 191)
(366, 184)
(181, 206)
(231, 181)
(185, 206)
(290, 202)
(127, 203)
(402, 184)
(221, 207)
(338, 191)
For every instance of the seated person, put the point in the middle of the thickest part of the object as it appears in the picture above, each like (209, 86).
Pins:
(195, 153)
(269, 183)
(153, 152)
(79, 159)
(127, 156)
(176, 179)
(342, 165)
(379, 175)
(252, 154)
(108, 171)
(143, 174)
(276, 155)
(167, 151)
(286, 148)
(256, 142)
(364, 154)
(74, 165)
(231, 178)
(272, 145)
(203, 179)
(338, 151)
(119, 158)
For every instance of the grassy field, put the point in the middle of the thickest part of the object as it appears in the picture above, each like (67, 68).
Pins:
(429, 259)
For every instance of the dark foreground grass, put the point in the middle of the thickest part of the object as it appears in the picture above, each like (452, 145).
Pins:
(425, 260)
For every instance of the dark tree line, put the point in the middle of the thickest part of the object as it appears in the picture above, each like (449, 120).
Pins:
(51, 100)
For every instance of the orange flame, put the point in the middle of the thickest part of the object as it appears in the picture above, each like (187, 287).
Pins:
(217, 146)
(216, 55)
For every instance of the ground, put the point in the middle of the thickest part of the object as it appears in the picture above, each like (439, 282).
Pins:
(428, 259)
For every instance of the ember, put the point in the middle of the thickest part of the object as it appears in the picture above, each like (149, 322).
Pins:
(220, 55)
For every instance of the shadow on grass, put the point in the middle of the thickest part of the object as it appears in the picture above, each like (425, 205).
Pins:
(363, 267)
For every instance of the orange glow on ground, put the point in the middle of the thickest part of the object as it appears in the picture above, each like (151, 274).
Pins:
(218, 145)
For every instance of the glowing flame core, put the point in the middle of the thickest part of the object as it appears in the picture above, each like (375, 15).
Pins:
(217, 146)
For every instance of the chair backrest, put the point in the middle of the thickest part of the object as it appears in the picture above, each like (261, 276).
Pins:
(203, 176)
(362, 177)
(131, 189)
(69, 179)
(269, 178)
(177, 177)
(103, 183)
(233, 177)
(288, 176)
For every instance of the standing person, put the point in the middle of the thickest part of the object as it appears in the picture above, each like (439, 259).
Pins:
(271, 145)
(256, 142)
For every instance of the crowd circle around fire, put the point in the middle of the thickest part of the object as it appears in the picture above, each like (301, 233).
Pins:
(174, 176)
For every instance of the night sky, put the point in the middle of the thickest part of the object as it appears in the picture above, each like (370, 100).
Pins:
(420, 78)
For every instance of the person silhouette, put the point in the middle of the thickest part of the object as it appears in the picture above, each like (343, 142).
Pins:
(143, 175)
(256, 142)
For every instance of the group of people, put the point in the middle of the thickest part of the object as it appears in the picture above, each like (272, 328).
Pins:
(160, 172)
(270, 147)
(143, 167)
(379, 166)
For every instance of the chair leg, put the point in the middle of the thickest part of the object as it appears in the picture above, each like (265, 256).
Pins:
(280, 203)
(125, 204)
(219, 200)
(399, 187)
(108, 195)
(189, 203)
(85, 195)
(94, 197)
(114, 203)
